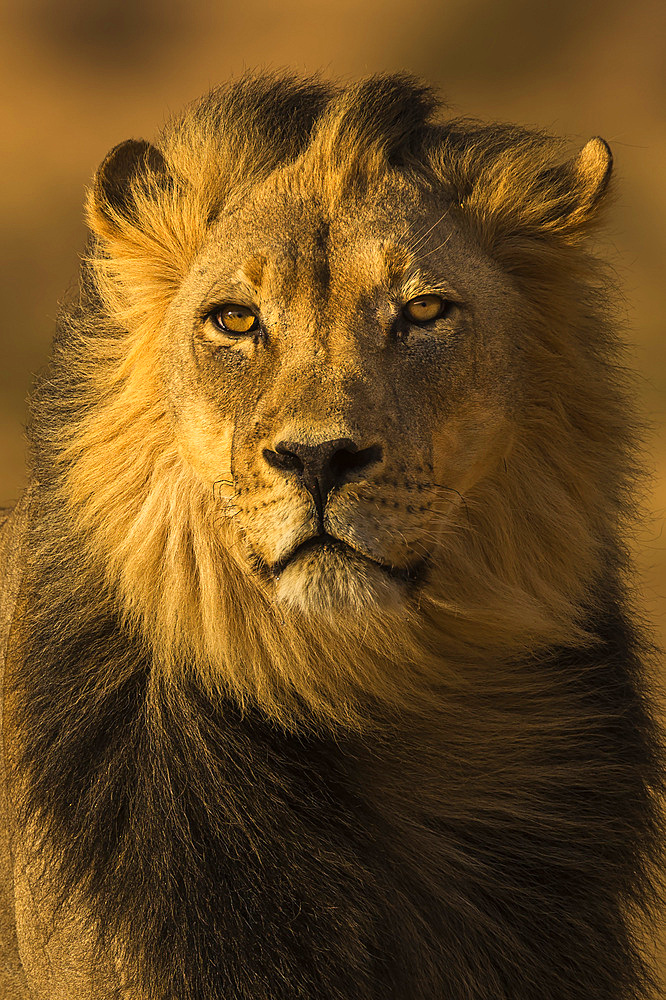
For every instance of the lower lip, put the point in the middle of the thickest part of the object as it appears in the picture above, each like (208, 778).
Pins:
(327, 543)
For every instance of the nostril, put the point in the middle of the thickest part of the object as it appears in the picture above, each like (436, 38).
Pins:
(323, 466)
(283, 459)
(345, 461)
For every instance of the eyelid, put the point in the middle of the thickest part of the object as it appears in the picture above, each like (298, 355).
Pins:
(444, 293)
(227, 297)
(209, 310)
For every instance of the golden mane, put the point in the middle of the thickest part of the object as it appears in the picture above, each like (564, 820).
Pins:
(455, 794)
(167, 544)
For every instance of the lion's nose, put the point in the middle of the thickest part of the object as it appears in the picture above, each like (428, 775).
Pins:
(323, 466)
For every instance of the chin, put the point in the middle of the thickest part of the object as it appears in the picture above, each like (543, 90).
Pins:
(335, 582)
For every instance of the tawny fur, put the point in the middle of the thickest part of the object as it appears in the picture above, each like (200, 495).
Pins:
(140, 505)
(450, 787)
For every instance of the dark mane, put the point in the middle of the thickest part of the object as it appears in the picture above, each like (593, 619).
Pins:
(191, 871)
(263, 120)
(502, 842)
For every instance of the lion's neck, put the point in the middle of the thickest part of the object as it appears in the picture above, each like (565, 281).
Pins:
(214, 832)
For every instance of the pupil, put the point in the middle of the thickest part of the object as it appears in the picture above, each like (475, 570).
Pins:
(237, 319)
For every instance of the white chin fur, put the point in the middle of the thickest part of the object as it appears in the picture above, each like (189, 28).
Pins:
(337, 582)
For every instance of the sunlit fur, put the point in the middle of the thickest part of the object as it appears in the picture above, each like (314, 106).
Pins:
(141, 510)
(493, 688)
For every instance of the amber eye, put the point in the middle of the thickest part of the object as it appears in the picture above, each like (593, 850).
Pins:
(233, 318)
(424, 308)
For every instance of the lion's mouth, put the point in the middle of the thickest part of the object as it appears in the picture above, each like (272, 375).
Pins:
(324, 542)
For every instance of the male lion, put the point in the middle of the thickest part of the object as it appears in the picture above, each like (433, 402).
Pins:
(322, 681)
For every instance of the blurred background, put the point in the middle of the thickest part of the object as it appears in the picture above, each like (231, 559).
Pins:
(79, 76)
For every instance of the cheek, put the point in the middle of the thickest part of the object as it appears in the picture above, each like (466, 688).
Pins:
(468, 446)
(205, 438)
(207, 394)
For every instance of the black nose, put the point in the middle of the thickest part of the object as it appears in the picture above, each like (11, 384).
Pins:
(323, 466)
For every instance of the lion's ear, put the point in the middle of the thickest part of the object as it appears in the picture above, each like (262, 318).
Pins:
(128, 172)
(506, 181)
(574, 190)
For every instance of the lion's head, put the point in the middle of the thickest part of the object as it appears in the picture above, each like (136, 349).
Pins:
(343, 407)
(342, 379)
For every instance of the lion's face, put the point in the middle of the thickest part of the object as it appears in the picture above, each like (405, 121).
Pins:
(342, 411)
(363, 384)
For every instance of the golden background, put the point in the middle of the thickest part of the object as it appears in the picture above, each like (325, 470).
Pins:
(79, 76)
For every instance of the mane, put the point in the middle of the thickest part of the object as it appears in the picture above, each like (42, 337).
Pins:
(520, 673)
(144, 817)
(103, 440)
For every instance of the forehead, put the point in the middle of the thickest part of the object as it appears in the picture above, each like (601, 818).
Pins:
(299, 202)
(295, 240)
(289, 227)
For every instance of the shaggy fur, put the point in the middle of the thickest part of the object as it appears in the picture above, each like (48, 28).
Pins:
(448, 794)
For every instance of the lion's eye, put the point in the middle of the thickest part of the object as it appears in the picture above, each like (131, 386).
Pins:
(236, 319)
(424, 309)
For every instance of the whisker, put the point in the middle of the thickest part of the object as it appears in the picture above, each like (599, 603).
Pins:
(412, 240)
(424, 255)
(413, 247)
(226, 516)
(449, 489)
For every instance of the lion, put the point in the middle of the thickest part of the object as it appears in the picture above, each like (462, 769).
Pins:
(322, 675)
